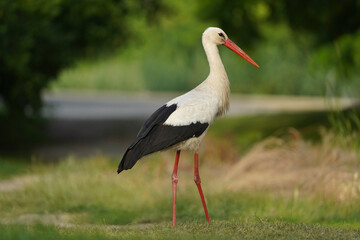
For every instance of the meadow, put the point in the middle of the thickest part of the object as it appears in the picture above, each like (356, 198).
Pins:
(286, 184)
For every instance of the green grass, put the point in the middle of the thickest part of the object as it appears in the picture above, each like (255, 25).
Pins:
(12, 166)
(256, 229)
(90, 197)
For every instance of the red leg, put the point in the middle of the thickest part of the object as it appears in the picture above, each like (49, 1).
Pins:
(174, 183)
(198, 184)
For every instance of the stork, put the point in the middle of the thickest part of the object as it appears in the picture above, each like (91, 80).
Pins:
(182, 123)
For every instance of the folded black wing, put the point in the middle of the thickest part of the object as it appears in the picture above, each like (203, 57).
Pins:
(155, 136)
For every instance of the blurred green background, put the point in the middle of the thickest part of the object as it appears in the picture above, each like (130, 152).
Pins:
(303, 47)
(269, 176)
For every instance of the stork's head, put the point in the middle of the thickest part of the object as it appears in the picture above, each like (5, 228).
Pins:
(215, 35)
(218, 37)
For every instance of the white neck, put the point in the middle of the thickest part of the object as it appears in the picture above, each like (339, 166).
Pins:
(217, 82)
(213, 56)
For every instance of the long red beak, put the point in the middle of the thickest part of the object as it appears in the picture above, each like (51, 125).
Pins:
(232, 46)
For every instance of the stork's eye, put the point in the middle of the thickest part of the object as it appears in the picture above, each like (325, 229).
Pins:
(221, 34)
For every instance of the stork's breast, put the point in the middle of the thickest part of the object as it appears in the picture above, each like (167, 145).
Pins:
(199, 110)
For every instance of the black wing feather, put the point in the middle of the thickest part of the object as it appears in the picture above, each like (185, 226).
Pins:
(154, 136)
(158, 117)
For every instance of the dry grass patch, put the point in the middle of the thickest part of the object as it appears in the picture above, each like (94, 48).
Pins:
(293, 165)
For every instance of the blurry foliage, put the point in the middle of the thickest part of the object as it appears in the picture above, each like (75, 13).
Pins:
(171, 59)
(338, 63)
(168, 56)
(329, 54)
(302, 47)
(324, 19)
(241, 19)
(39, 38)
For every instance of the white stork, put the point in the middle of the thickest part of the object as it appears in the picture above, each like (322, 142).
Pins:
(182, 123)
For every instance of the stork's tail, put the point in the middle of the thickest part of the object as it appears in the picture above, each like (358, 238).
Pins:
(129, 159)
